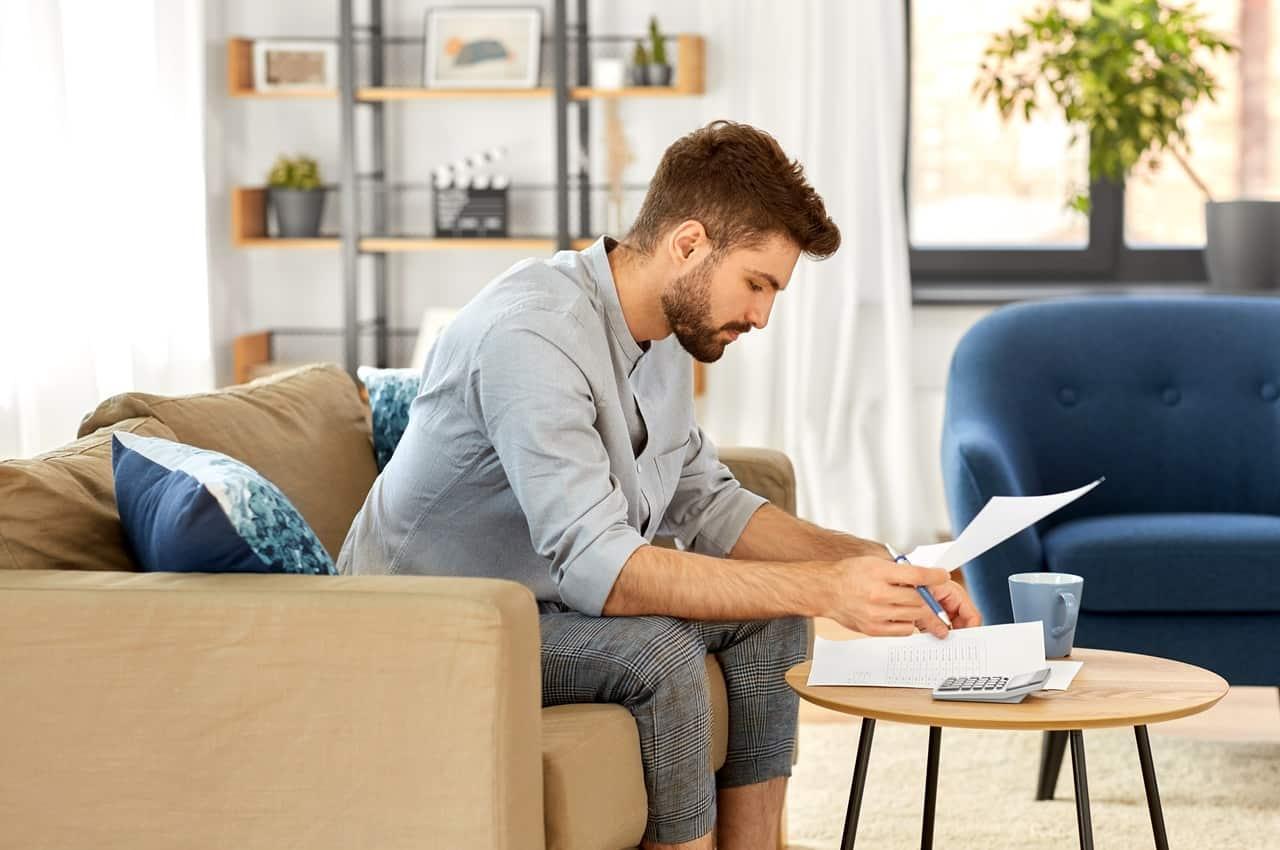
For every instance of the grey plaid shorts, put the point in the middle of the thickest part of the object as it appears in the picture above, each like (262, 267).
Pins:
(654, 666)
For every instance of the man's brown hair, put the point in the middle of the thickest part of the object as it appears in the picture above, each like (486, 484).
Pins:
(737, 181)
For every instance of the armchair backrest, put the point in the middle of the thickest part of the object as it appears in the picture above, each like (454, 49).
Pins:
(1176, 400)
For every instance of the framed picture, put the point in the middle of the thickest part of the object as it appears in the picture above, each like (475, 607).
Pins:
(292, 65)
(491, 48)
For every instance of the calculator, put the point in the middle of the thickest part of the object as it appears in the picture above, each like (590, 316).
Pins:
(991, 688)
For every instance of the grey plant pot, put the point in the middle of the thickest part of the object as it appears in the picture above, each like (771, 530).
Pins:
(298, 212)
(658, 75)
(1242, 245)
(638, 74)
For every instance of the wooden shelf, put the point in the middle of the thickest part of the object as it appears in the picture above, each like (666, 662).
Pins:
(690, 80)
(395, 244)
(249, 230)
(253, 357)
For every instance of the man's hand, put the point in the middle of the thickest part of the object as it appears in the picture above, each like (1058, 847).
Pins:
(956, 603)
(875, 596)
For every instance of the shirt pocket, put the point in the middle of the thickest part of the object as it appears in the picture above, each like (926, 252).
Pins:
(670, 465)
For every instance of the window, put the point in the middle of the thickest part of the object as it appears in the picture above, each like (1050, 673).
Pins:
(986, 200)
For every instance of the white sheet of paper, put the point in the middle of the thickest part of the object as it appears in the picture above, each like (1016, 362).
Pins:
(1000, 518)
(922, 661)
(1061, 674)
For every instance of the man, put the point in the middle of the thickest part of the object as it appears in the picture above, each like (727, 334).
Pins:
(553, 437)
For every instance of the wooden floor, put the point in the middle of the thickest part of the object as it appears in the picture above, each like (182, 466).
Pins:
(1244, 714)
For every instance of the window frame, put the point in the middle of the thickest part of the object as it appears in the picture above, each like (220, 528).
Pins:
(1105, 261)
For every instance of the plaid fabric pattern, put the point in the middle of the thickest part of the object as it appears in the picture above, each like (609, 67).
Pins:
(654, 667)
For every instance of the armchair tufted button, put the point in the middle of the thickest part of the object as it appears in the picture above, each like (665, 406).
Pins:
(1171, 396)
(1067, 396)
(1269, 391)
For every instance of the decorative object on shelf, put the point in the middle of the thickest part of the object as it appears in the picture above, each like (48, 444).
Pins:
(470, 206)
(1241, 251)
(496, 47)
(297, 196)
(657, 72)
(608, 73)
(282, 66)
(434, 321)
(639, 65)
(1125, 75)
(618, 156)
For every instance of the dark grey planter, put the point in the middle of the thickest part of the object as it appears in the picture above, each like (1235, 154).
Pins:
(1242, 245)
(658, 75)
(639, 76)
(298, 212)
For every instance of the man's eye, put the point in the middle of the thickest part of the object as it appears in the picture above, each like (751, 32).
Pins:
(755, 287)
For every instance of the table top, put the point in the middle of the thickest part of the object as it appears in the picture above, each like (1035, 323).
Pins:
(1111, 689)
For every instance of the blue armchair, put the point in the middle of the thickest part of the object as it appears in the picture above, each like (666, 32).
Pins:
(1177, 402)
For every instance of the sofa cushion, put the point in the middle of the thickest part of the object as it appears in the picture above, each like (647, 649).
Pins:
(1171, 562)
(592, 778)
(305, 430)
(391, 393)
(192, 510)
(58, 509)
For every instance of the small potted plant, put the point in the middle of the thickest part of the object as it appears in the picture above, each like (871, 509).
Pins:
(1125, 74)
(639, 69)
(659, 72)
(297, 196)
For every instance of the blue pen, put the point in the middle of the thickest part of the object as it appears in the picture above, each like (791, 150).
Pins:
(924, 593)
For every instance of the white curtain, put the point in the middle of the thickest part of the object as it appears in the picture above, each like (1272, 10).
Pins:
(830, 380)
(103, 261)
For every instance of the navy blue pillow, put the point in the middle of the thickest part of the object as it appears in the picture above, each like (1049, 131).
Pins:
(391, 392)
(192, 510)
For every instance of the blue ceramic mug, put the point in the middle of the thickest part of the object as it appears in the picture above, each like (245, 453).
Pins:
(1054, 600)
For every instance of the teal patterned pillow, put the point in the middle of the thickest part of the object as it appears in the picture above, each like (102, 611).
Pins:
(391, 392)
(193, 510)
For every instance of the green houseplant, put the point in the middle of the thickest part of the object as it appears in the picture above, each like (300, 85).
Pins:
(1126, 73)
(639, 65)
(659, 70)
(297, 196)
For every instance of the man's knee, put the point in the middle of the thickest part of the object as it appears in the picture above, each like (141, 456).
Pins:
(788, 638)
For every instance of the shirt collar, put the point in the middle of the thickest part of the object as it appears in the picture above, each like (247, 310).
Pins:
(597, 257)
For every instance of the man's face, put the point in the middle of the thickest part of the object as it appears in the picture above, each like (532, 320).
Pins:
(723, 296)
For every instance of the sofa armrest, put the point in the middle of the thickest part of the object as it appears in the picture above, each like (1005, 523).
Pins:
(765, 472)
(268, 711)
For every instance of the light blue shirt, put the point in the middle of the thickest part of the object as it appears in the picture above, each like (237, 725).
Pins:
(545, 446)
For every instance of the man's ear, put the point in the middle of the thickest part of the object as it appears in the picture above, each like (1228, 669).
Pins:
(688, 242)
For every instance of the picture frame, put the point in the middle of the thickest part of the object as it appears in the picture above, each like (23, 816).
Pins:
(490, 47)
(291, 65)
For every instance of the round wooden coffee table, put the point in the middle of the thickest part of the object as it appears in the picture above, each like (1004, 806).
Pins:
(1112, 689)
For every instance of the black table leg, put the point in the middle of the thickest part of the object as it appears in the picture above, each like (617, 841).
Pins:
(859, 782)
(931, 787)
(1051, 750)
(1153, 793)
(1083, 820)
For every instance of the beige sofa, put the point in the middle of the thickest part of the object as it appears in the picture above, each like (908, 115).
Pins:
(169, 710)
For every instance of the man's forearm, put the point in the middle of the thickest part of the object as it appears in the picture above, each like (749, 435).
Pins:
(772, 534)
(698, 587)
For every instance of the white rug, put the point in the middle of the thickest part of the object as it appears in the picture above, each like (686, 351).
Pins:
(1215, 794)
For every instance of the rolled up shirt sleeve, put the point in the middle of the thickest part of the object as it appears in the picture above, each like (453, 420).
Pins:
(537, 408)
(710, 508)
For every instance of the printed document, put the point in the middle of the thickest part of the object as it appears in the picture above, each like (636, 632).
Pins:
(922, 660)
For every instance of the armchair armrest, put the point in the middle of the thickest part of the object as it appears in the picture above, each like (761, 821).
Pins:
(268, 711)
(765, 472)
(978, 462)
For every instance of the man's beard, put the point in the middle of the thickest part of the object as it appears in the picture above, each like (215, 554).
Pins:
(686, 303)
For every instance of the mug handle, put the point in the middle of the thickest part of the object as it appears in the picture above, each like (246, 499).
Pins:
(1072, 606)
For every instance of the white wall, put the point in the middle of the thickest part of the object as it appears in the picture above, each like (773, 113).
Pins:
(260, 288)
